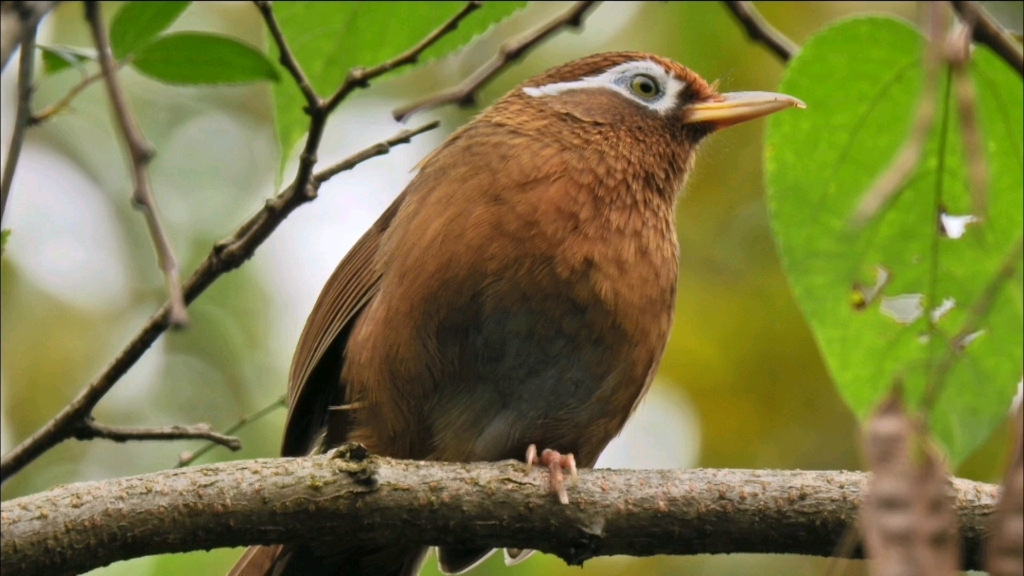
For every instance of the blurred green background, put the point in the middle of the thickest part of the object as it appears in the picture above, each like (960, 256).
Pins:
(741, 384)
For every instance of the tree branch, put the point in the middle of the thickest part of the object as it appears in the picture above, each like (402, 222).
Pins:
(464, 94)
(82, 526)
(141, 153)
(988, 32)
(226, 255)
(26, 71)
(90, 430)
(761, 31)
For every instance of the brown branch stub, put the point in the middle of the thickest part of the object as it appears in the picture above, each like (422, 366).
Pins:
(988, 32)
(141, 153)
(633, 512)
(26, 71)
(225, 256)
(760, 30)
(91, 430)
(465, 92)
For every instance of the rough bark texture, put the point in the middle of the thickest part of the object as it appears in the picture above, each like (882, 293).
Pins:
(374, 500)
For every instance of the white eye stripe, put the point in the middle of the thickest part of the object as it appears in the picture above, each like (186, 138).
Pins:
(611, 79)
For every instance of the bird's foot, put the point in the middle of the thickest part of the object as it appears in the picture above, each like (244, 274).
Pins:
(555, 463)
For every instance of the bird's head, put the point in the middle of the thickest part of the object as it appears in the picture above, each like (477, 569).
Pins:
(641, 108)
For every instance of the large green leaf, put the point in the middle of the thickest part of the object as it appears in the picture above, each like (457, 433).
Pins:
(199, 58)
(861, 80)
(329, 38)
(136, 23)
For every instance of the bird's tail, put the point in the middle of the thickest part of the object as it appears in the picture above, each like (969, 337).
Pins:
(301, 560)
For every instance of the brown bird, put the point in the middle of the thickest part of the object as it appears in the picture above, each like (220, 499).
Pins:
(516, 296)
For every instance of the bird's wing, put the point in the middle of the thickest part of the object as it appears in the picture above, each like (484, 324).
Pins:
(314, 383)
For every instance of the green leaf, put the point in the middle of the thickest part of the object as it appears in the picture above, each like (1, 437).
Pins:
(4, 235)
(861, 80)
(137, 23)
(199, 58)
(57, 58)
(329, 38)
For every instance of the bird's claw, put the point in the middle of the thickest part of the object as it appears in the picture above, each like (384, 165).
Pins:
(555, 462)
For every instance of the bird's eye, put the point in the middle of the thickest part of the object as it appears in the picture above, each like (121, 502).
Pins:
(644, 86)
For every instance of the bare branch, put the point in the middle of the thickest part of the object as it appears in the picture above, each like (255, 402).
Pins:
(226, 255)
(988, 32)
(639, 512)
(26, 71)
(760, 30)
(90, 430)
(465, 93)
(287, 58)
(16, 20)
(888, 185)
(186, 458)
(141, 153)
(62, 104)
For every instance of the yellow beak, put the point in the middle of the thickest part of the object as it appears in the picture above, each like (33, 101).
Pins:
(735, 107)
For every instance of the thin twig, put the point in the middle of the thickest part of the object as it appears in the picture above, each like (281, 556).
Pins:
(760, 30)
(90, 430)
(226, 255)
(359, 77)
(62, 104)
(988, 32)
(972, 323)
(890, 183)
(464, 94)
(141, 153)
(188, 457)
(287, 58)
(26, 70)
